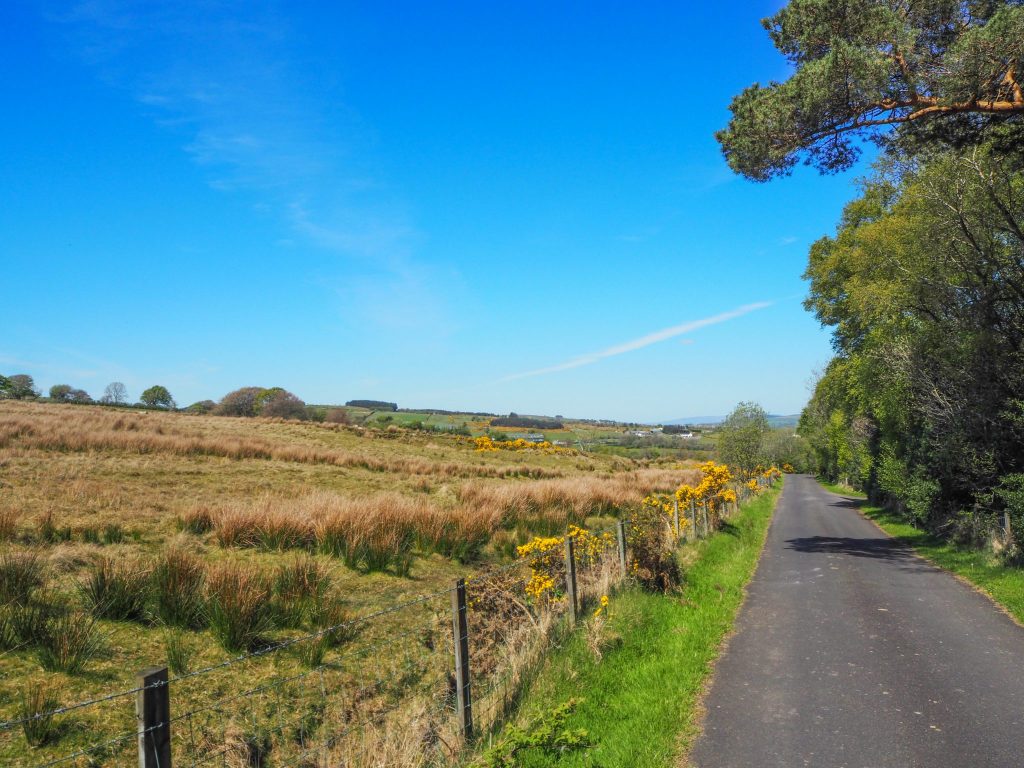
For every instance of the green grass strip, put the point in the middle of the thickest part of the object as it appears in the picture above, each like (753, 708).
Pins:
(1003, 583)
(638, 701)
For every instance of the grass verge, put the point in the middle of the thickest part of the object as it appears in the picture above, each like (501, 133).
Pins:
(1003, 583)
(638, 674)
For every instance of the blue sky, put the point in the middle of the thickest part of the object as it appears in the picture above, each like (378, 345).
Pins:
(490, 206)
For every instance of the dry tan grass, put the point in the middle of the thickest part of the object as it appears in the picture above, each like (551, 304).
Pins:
(85, 429)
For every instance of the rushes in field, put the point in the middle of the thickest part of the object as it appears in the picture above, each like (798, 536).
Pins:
(336, 622)
(23, 625)
(177, 589)
(313, 650)
(113, 534)
(70, 640)
(179, 651)
(198, 520)
(36, 702)
(240, 611)
(21, 574)
(116, 590)
(299, 586)
(8, 524)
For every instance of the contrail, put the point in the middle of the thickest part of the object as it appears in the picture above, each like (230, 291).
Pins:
(643, 341)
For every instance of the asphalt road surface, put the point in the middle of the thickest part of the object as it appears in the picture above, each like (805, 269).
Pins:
(851, 651)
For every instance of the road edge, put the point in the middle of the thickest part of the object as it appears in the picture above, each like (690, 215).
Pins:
(699, 708)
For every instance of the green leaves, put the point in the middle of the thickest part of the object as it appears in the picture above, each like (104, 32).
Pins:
(862, 66)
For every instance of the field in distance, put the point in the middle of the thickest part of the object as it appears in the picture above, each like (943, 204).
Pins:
(148, 531)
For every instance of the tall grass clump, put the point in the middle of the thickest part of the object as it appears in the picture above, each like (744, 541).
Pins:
(177, 583)
(298, 586)
(336, 622)
(70, 641)
(23, 625)
(240, 610)
(21, 574)
(37, 701)
(199, 519)
(8, 524)
(116, 590)
(179, 651)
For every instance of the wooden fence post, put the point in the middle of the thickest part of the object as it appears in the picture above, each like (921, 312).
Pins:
(704, 515)
(620, 535)
(460, 628)
(1007, 530)
(693, 519)
(570, 577)
(675, 518)
(153, 716)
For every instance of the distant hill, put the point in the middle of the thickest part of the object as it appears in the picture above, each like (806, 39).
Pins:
(774, 420)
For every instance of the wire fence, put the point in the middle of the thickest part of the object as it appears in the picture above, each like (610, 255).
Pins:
(410, 684)
(379, 689)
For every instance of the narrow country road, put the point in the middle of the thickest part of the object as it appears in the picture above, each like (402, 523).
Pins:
(851, 651)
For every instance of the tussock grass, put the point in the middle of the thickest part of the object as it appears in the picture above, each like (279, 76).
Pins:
(21, 574)
(239, 606)
(71, 639)
(116, 590)
(177, 582)
(36, 700)
(8, 524)
(179, 651)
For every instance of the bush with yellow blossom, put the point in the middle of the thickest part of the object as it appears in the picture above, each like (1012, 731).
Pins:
(546, 557)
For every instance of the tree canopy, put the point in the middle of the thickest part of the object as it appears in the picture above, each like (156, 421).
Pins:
(937, 68)
(741, 437)
(157, 396)
(923, 286)
(20, 386)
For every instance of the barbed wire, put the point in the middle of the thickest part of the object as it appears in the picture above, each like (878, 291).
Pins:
(347, 624)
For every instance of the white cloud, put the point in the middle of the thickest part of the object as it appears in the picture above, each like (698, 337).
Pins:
(644, 341)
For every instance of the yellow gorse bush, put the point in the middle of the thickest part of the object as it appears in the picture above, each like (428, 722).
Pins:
(484, 444)
(546, 555)
(712, 488)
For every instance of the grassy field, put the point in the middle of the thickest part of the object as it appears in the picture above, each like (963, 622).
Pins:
(112, 520)
(982, 568)
(637, 675)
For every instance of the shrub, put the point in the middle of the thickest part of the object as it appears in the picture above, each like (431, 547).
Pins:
(70, 640)
(177, 589)
(37, 701)
(239, 606)
(652, 557)
(21, 574)
(116, 590)
(337, 416)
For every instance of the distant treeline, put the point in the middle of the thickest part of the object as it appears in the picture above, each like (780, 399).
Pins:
(526, 422)
(373, 405)
(442, 412)
(678, 429)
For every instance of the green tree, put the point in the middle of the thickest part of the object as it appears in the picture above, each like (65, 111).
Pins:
(239, 402)
(741, 437)
(937, 69)
(157, 396)
(61, 393)
(282, 404)
(21, 387)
